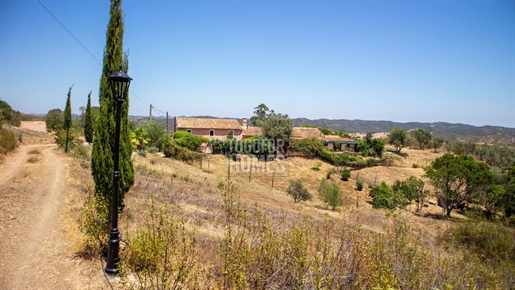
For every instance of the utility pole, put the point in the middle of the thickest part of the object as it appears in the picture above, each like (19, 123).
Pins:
(150, 118)
(166, 123)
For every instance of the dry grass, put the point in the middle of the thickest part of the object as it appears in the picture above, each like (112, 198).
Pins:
(191, 191)
(27, 137)
(192, 194)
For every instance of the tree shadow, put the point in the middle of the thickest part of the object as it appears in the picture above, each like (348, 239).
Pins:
(401, 154)
(432, 216)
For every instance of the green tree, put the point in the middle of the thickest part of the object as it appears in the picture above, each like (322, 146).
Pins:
(383, 196)
(102, 165)
(297, 191)
(398, 137)
(54, 119)
(411, 189)
(437, 142)
(499, 196)
(154, 129)
(377, 147)
(330, 194)
(6, 113)
(277, 126)
(68, 117)
(82, 117)
(493, 199)
(88, 122)
(422, 136)
(457, 179)
(509, 197)
(260, 114)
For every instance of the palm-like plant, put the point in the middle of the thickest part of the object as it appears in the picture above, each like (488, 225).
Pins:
(139, 138)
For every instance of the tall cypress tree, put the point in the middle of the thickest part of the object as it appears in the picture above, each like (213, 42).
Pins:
(68, 117)
(102, 165)
(88, 122)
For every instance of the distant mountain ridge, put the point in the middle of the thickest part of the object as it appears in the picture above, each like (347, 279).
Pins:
(453, 132)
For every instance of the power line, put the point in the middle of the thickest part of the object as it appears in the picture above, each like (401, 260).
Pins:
(158, 110)
(78, 41)
(69, 32)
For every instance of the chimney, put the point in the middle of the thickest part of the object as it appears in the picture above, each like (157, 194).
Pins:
(244, 123)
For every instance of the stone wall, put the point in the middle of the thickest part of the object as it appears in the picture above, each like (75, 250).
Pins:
(33, 125)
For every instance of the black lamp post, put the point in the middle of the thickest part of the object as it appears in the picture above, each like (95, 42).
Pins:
(119, 82)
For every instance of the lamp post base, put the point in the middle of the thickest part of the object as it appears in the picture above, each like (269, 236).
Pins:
(112, 254)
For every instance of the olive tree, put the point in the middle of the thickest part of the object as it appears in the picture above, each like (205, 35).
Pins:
(457, 179)
(398, 137)
(422, 136)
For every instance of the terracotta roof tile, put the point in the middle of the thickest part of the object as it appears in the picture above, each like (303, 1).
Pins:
(207, 123)
(304, 133)
(253, 131)
(336, 138)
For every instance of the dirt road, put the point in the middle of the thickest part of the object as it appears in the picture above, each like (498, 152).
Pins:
(34, 247)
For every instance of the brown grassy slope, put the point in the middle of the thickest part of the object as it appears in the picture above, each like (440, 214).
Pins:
(193, 192)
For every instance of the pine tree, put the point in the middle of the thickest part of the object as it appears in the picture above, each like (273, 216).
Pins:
(88, 122)
(102, 165)
(68, 117)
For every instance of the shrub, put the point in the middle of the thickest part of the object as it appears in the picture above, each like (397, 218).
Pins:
(188, 140)
(488, 240)
(94, 225)
(78, 151)
(297, 191)
(7, 141)
(161, 255)
(308, 146)
(410, 189)
(330, 194)
(382, 196)
(173, 150)
(359, 185)
(345, 174)
(316, 166)
(60, 137)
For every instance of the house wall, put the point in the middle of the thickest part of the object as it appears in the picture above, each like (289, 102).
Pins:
(208, 149)
(33, 125)
(219, 133)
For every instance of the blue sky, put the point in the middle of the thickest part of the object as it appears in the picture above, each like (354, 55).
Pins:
(424, 61)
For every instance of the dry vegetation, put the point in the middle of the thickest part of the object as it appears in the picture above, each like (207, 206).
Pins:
(238, 234)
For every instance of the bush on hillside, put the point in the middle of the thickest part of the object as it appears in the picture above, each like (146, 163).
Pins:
(330, 194)
(486, 239)
(359, 185)
(345, 174)
(188, 140)
(297, 191)
(383, 196)
(172, 150)
(7, 141)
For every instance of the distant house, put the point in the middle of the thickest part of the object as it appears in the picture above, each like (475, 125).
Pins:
(330, 141)
(39, 126)
(250, 131)
(345, 144)
(218, 129)
(211, 128)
